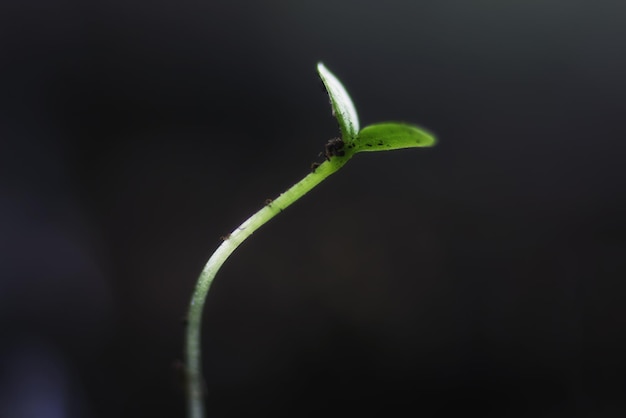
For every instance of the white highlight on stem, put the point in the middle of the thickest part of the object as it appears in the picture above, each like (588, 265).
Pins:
(195, 386)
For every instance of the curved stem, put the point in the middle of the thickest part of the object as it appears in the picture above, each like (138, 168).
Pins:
(195, 387)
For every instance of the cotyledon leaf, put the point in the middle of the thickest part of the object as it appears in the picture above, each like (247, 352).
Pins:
(392, 135)
(343, 108)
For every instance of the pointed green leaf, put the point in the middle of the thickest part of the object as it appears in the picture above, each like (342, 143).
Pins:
(392, 135)
(343, 108)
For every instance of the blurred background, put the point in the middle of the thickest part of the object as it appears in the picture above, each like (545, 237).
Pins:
(483, 276)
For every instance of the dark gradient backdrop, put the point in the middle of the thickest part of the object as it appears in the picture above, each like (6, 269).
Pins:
(484, 276)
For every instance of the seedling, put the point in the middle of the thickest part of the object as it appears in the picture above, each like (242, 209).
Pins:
(377, 137)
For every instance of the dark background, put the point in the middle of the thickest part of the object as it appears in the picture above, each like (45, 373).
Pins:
(483, 276)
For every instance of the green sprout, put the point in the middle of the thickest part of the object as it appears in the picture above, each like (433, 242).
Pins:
(377, 137)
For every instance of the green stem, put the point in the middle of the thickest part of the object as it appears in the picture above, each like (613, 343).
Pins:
(195, 387)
